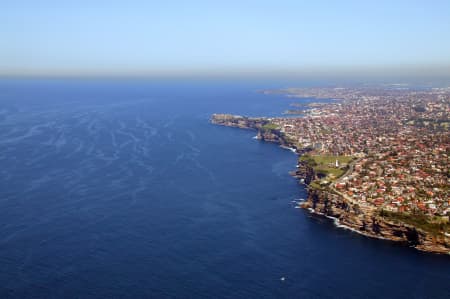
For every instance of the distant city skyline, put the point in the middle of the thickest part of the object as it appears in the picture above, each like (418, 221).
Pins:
(254, 38)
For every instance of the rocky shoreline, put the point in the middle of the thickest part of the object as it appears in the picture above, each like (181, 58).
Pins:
(262, 125)
(366, 221)
(328, 202)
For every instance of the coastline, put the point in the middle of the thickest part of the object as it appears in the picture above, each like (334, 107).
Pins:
(330, 203)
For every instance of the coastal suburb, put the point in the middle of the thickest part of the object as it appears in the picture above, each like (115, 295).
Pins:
(376, 159)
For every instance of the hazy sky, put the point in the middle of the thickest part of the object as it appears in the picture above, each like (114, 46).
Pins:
(101, 37)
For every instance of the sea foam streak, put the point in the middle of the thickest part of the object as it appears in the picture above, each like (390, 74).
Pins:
(289, 148)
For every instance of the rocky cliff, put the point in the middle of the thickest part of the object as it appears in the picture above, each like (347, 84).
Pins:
(266, 130)
(367, 220)
(238, 121)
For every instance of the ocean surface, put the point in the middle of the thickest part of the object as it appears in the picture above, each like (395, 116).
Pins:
(123, 189)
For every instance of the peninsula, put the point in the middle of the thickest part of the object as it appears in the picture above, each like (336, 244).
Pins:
(376, 159)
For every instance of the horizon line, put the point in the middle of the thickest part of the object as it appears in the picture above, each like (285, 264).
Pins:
(391, 71)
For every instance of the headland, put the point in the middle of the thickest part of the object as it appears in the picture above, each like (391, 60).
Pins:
(376, 160)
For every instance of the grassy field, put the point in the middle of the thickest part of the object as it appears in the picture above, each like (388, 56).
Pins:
(325, 165)
(270, 126)
(326, 159)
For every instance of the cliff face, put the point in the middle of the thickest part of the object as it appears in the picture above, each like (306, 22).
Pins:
(272, 135)
(367, 221)
(266, 132)
(304, 173)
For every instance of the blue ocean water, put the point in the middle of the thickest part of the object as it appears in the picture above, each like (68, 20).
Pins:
(123, 189)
